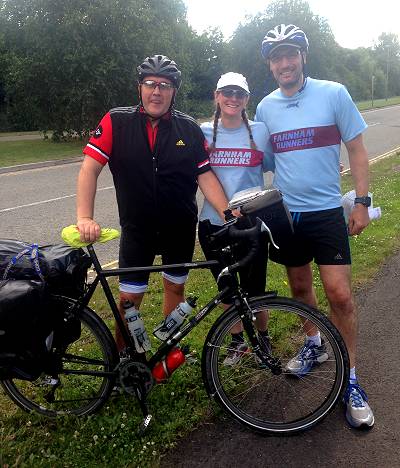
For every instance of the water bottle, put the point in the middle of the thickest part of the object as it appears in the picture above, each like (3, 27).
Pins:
(175, 319)
(136, 327)
(164, 368)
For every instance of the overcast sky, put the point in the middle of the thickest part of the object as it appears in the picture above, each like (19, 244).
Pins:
(355, 23)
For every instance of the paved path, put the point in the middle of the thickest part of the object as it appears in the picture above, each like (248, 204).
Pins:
(223, 443)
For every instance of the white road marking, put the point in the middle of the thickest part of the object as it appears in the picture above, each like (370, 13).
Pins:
(13, 208)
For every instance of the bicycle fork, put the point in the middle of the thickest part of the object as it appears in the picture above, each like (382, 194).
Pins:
(248, 318)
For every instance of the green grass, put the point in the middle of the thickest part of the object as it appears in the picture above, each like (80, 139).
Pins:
(109, 437)
(28, 151)
(365, 105)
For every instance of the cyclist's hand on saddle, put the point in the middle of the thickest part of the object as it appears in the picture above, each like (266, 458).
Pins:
(358, 219)
(88, 229)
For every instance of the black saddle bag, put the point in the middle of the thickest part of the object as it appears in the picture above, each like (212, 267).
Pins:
(63, 268)
(26, 321)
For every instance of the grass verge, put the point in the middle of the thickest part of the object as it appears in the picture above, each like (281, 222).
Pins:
(30, 151)
(378, 103)
(109, 437)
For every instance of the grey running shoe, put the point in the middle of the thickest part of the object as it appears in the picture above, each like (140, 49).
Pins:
(46, 380)
(309, 356)
(236, 351)
(358, 412)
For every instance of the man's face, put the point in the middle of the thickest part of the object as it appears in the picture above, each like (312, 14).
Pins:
(157, 99)
(286, 64)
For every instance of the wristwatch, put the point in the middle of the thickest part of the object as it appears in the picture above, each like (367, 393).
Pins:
(366, 201)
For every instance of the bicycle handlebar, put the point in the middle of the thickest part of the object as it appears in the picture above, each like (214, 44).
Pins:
(252, 235)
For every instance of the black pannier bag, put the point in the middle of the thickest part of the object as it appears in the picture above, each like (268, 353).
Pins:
(268, 205)
(26, 322)
(63, 268)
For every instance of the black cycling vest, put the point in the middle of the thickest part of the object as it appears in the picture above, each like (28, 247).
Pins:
(156, 189)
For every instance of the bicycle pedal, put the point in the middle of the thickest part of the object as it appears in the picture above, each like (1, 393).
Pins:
(144, 424)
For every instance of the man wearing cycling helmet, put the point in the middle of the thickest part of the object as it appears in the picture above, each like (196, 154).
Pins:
(307, 120)
(157, 157)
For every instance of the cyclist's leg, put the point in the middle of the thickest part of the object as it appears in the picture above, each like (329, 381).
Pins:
(136, 299)
(173, 293)
(301, 286)
(136, 249)
(176, 246)
(337, 284)
(296, 255)
(325, 235)
(253, 280)
(334, 260)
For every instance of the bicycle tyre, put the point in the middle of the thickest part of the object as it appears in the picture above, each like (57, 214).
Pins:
(252, 394)
(77, 394)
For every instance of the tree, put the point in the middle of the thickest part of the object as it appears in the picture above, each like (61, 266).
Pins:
(64, 64)
(74, 60)
(387, 56)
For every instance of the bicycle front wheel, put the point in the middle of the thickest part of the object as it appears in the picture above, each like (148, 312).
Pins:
(285, 402)
(83, 377)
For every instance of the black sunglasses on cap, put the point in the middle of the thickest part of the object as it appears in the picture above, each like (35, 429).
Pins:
(230, 92)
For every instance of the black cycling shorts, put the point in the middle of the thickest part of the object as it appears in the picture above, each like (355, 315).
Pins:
(252, 277)
(139, 248)
(321, 236)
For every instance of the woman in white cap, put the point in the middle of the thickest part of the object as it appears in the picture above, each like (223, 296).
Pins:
(240, 153)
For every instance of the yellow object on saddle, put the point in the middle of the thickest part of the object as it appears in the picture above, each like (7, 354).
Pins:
(70, 235)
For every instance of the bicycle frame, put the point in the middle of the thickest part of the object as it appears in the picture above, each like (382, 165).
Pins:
(103, 274)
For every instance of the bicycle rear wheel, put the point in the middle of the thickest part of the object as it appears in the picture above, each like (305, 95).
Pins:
(89, 358)
(251, 393)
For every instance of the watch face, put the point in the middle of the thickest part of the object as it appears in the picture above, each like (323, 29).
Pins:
(366, 201)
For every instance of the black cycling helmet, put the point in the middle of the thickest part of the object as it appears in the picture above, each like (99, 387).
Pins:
(160, 65)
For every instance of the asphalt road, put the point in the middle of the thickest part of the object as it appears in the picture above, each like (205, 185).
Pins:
(36, 204)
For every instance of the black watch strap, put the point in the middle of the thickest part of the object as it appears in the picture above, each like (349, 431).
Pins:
(366, 201)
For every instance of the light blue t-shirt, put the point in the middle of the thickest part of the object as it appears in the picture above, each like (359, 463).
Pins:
(237, 166)
(306, 131)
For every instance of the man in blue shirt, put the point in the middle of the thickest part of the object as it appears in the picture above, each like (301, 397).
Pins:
(307, 120)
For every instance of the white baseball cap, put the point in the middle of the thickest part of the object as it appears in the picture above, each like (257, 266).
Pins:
(233, 79)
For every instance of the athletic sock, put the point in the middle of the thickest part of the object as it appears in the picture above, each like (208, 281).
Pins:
(314, 339)
(353, 378)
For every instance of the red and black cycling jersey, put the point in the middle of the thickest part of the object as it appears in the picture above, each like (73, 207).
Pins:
(155, 184)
